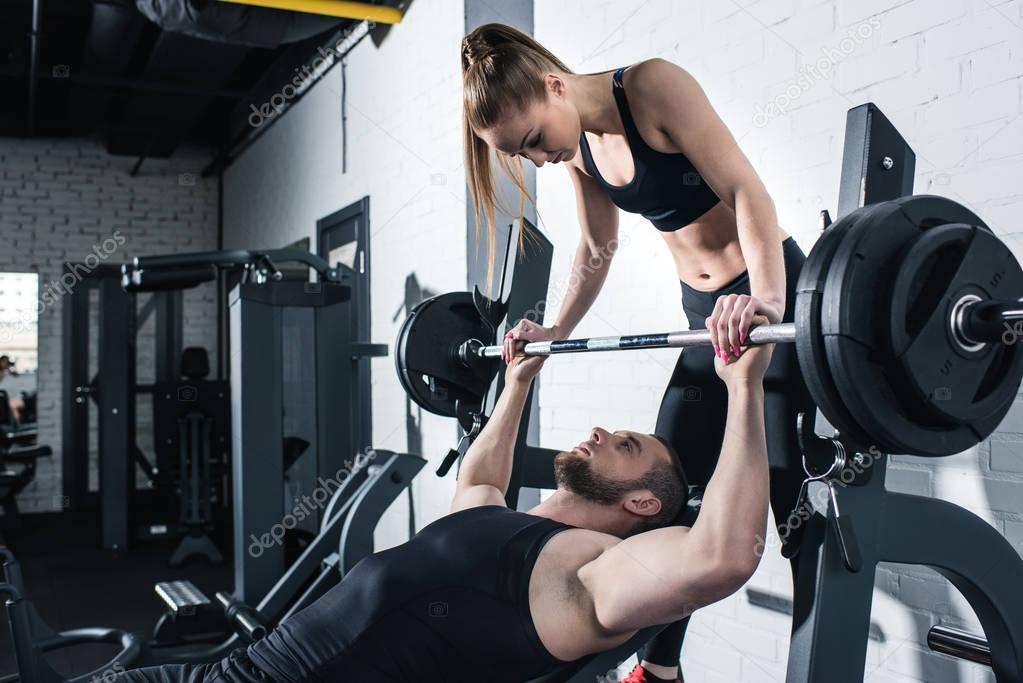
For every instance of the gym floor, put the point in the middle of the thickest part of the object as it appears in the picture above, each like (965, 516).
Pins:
(75, 584)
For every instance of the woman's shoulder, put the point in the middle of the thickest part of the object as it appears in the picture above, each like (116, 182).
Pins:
(651, 73)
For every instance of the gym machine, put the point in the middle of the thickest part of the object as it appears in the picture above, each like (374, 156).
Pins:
(262, 305)
(949, 286)
(94, 295)
(19, 453)
(292, 359)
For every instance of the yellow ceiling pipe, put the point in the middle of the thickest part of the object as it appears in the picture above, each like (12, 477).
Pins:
(332, 8)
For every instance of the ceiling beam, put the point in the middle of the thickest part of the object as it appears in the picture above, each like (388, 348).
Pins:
(345, 9)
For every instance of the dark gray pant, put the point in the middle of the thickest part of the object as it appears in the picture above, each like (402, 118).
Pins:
(235, 668)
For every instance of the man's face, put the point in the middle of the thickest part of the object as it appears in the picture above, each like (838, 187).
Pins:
(606, 466)
(544, 132)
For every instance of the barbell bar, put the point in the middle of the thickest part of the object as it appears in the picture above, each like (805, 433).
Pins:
(759, 334)
(972, 322)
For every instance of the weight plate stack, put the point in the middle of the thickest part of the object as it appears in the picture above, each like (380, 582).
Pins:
(907, 384)
(426, 354)
(809, 347)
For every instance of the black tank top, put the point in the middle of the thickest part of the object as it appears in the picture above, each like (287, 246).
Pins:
(667, 189)
(451, 604)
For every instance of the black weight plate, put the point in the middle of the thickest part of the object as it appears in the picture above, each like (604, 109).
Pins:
(950, 381)
(809, 343)
(856, 321)
(426, 354)
(855, 289)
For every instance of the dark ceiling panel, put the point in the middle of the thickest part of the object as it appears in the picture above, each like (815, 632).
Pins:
(153, 124)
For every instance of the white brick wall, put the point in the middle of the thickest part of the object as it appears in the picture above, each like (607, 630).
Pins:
(404, 152)
(949, 75)
(61, 198)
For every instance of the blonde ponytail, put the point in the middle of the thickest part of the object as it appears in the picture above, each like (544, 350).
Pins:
(503, 72)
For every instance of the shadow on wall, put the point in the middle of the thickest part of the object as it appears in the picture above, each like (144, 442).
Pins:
(414, 294)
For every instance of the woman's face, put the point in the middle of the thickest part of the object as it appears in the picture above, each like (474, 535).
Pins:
(546, 131)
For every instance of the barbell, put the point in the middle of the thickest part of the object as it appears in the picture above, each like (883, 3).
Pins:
(903, 330)
(760, 334)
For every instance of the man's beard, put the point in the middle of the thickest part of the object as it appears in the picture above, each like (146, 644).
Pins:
(575, 473)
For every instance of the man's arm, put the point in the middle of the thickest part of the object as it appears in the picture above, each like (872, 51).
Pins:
(663, 575)
(485, 472)
(486, 469)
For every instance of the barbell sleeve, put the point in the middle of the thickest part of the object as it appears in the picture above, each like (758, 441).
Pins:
(784, 333)
(987, 321)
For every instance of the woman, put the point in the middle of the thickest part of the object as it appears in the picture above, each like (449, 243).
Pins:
(644, 138)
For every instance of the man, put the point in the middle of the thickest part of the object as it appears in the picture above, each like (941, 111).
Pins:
(490, 594)
(16, 404)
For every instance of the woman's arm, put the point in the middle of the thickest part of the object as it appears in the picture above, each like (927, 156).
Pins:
(685, 115)
(598, 223)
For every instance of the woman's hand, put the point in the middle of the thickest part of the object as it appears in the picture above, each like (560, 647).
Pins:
(523, 368)
(752, 367)
(526, 331)
(730, 322)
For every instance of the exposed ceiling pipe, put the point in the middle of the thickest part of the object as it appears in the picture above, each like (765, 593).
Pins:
(345, 9)
(37, 8)
(233, 23)
(140, 84)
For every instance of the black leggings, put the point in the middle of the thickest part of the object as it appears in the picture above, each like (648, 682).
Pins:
(692, 418)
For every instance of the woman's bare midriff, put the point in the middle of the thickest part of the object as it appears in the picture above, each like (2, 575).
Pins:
(706, 252)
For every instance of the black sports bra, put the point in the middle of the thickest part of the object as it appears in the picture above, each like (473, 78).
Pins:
(667, 189)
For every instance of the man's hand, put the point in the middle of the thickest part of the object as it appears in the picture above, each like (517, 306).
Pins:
(751, 364)
(522, 368)
(526, 331)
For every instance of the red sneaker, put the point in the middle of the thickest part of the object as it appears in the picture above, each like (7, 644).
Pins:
(641, 675)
